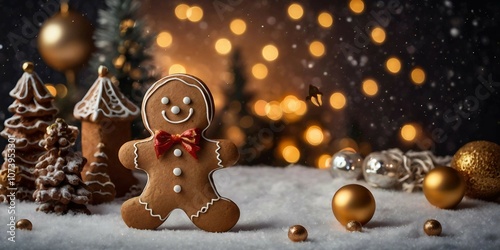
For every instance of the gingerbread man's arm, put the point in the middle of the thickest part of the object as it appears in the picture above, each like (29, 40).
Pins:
(228, 152)
(127, 154)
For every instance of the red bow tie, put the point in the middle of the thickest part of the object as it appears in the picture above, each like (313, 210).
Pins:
(189, 140)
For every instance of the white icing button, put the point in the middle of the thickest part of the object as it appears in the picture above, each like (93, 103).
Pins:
(177, 188)
(177, 152)
(177, 171)
(164, 100)
(175, 110)
(186, 100)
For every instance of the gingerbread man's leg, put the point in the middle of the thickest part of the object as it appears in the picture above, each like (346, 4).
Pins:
(135, 215)
(218, 215)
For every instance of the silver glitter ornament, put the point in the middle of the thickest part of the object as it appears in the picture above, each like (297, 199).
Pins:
(346, 165)
(380, 170)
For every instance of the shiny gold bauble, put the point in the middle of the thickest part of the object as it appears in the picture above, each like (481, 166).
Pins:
(353, 202)
(432, 228)
(297, 233)
(353, 226)
(444, 187)
(24, 224)
(479, 163)
(65, 41)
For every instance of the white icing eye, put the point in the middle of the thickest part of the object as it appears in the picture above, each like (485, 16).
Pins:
(186, 100)
(175, 110)
(164, 100)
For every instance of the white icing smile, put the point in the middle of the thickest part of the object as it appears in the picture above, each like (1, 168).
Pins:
(180, 121)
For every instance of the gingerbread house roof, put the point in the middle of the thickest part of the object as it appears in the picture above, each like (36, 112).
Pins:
(104, 100)
(30, 87)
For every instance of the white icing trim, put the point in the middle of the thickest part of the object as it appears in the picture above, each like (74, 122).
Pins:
(16, 93)
(99, 164)
(90, 105)
(101, 154)
(96, 174)
(164, 114)
(204, 209)
(100, 183)
(102, 193)
(151, 210)
(20, 125)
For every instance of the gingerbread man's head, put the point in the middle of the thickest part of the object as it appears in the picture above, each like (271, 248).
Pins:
(176, 103)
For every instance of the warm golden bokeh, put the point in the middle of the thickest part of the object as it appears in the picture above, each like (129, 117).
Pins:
(357, 6)
(393, 65)
(273, 110)
(378, 35)
(325, 19)
(181, 11)
(176, 68)
(314, 135)
(409, 132)
(194, 14)
(164, 39)
(370, 87)
(295, 11)
(270, 52)
(291, 154)
(52, 90)
(223, 46)
(238, 26)
(259, 71)
(317, 49)
(62, 90)
(324, 161)
(337, 100)
(259, 107)
(418, 76)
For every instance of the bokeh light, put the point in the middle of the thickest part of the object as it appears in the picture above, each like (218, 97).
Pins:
(236, 135)
(273, 110)
(194, 14)
(52, 90)
(325, 19)
(324, 161)
(290, 104)
(357, 6)
(417, 76)
(378, 35)
(181, 11)
(337, 100)
(408, 132)
(223, 46)
(291, 154)
(164, 39)
(62, 90)
(238, 26)
(393, 65)
(259, 107)
(370, 87)
(270, 52)
(314, 135)
(302, 108)
(259, 71)
(176, 68)
(295, 11)
(317, 49)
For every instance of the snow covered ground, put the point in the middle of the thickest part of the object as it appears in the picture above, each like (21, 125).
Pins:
(270, 200)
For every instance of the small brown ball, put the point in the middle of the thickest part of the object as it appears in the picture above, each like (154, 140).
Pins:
(297, 233)
(24, 224)
(432, 228)
(444, 187)
(353, 226)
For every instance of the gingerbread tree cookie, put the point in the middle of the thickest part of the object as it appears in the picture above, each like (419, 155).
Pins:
(59, 185)
(97, 179)
(179, 159)
(106, 116)
(33, 111)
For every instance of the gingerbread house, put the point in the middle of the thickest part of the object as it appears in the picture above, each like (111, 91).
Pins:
(106, 116)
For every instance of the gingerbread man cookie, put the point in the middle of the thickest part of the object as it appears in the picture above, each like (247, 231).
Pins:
(179, 159)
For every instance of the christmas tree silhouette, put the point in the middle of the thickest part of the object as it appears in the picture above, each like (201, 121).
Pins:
(97, 179)
(33, 111)
(60, 188)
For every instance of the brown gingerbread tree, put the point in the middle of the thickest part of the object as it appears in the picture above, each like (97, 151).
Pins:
(97, 179)
(106, 116)
(59, 186)
(33, 111)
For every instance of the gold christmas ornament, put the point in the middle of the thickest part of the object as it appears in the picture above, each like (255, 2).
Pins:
(432, 228)
(297, 233)
(353, 202)
(65, 40)
(479, 163)
(353, 226)
(444, 187)
(24, 224)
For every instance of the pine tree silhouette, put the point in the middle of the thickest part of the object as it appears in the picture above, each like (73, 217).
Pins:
(97, 178)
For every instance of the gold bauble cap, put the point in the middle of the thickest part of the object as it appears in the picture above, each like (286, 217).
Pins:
(28, 67)
(102, 70)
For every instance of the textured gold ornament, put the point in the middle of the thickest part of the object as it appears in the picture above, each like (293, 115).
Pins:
(444, 187)
(432, 228)
(65, 40)
(479, 163)
(24, 224)
(353, 202)
(353, 226)
(297, 233)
